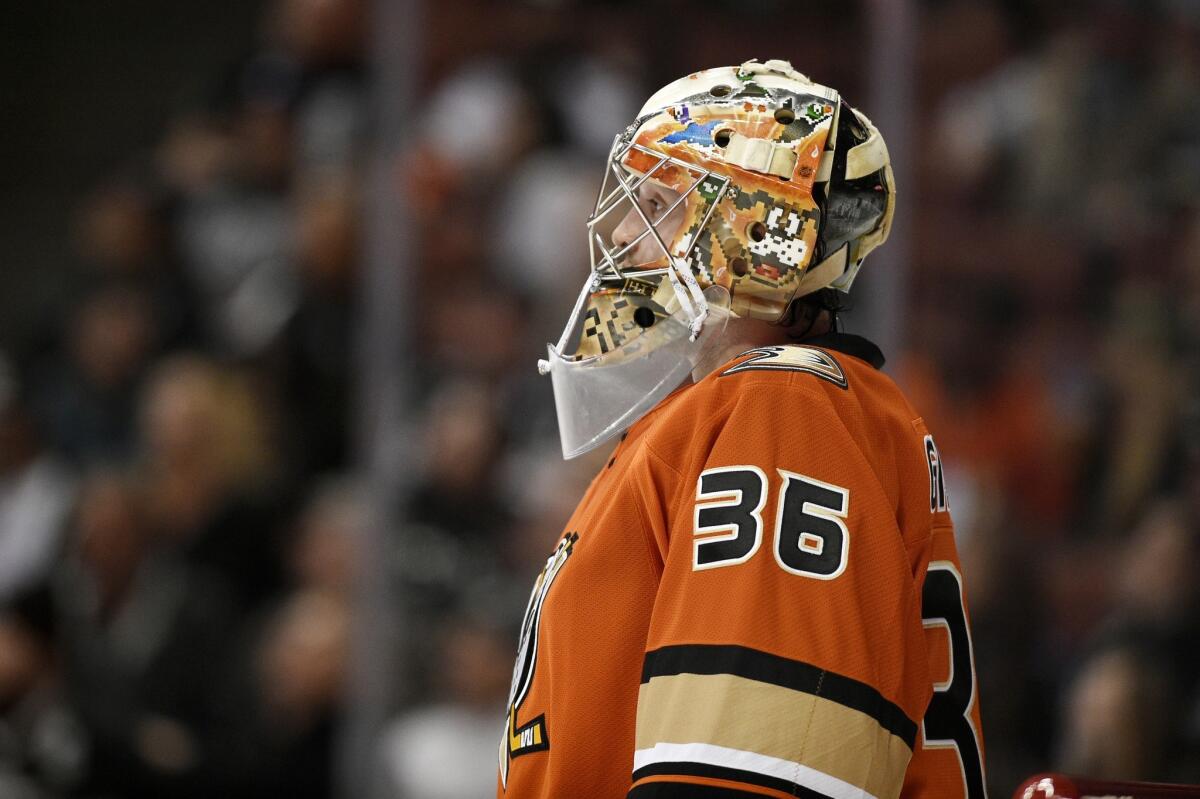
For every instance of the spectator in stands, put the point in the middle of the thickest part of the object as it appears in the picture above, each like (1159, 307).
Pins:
(208, 465)
(142, 637)
(299, 670)
(312, 361)
(36, 492)
(443, 747)
(1112, 720)
(87, 398)
(124, 238)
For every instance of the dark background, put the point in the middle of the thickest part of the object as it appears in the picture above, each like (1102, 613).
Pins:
(87, 85)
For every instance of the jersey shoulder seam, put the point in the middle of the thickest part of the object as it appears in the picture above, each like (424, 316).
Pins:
(650, 448)
(676, 504)
(647, 538)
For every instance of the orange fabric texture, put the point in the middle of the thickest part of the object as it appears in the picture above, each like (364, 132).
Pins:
(740, 600)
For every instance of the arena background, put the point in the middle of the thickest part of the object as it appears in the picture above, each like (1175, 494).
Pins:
(276, 468)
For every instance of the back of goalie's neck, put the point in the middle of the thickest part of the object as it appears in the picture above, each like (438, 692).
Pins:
(739, 335)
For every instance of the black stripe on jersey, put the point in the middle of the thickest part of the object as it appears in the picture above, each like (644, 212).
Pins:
(752, 664)
(716, 772)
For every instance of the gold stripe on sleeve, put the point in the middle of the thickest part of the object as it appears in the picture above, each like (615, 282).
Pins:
(753, 716)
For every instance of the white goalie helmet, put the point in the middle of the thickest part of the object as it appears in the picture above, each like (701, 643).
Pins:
(734, 192)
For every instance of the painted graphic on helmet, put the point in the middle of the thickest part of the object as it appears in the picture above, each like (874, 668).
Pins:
(695, 133)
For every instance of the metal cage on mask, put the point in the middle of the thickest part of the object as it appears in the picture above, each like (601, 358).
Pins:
(637, 329)
(711, 185)
(630, 167)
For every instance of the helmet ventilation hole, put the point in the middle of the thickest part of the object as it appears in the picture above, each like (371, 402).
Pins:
(758, 231)
(721, 137)
(739, 266)
(643, 316)
(720, 90)
(785, 116)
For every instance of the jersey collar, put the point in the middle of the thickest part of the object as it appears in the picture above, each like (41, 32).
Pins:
(850, 344)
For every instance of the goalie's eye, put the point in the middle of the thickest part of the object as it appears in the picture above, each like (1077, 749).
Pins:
(653, 205)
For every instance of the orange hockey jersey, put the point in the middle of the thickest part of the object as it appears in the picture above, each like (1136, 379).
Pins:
(759, 596)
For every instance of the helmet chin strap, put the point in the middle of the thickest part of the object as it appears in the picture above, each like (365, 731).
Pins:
(690, 295)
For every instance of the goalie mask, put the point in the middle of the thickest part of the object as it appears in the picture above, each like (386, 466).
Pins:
(734, 192)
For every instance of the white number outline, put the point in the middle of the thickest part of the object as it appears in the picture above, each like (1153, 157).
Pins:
(835, 515)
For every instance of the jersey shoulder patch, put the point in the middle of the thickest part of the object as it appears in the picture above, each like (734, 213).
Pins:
(791, 358)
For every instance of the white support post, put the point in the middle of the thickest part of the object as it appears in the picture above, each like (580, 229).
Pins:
(384, 361)
(881, 295)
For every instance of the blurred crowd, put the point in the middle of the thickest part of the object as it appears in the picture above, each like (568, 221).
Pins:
(182, 512)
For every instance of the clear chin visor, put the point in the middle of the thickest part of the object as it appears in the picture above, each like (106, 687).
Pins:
(600, 396)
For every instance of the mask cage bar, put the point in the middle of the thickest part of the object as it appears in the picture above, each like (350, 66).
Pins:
(589, 286)
(704, 175)
(610, 269)
(623, 146)
(609, 201)
(629, 190)
(606, 203)
(603, 200)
